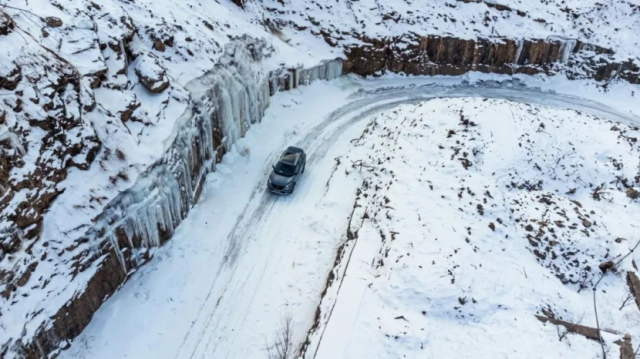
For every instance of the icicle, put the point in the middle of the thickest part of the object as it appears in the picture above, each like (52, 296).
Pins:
(116, 249)
(518, 51)
(567, 46)
(567, 49)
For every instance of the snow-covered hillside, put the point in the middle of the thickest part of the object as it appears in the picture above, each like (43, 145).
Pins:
(610, 24)
(116, 48)
(113, 112)
(473, 217)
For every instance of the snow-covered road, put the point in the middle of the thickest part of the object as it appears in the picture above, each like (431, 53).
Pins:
(244, 259)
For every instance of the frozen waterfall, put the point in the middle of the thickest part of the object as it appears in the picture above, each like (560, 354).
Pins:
(226, 101)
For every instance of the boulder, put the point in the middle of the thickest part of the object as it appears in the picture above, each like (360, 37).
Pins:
(53, 21)
(151, 74)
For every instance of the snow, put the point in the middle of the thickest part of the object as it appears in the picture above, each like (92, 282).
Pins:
(216, 236)
(244, 259)
(142, 156)
(92, 39)
(441, 274)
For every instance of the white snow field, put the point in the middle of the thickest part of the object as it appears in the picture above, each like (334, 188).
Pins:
(425, 274)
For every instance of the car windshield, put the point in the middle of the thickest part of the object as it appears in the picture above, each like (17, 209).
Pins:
(284, 169)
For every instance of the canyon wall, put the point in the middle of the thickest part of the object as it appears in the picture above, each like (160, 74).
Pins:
(437, 55)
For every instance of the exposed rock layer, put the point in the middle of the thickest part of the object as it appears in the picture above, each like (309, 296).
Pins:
(435, 55)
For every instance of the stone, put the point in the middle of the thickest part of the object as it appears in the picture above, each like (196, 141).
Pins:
(11, 79)
(606, 266)
(151, 74)
(128, 112)
(53, 21)
(11, 244)
(158, 45)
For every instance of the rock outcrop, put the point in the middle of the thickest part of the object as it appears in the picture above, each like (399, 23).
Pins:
(436, 55)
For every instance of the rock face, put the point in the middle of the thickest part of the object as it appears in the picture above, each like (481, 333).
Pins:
(435, 55)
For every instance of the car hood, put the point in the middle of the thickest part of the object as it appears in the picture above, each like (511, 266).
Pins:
(280, 180)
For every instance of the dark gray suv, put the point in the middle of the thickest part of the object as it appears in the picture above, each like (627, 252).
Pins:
(286, 172)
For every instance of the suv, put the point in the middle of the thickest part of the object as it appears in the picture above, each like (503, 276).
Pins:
(285, 173)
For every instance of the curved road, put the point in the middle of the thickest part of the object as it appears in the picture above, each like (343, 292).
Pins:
(244, 258)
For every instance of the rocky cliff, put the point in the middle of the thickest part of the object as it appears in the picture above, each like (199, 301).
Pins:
(585, 39)
(437, 55)
(43, 133)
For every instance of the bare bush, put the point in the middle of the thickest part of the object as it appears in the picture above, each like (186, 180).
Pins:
(627, 299)
(282, 345)
(562, 334)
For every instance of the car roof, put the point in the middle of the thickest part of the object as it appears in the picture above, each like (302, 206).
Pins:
(290, 158)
